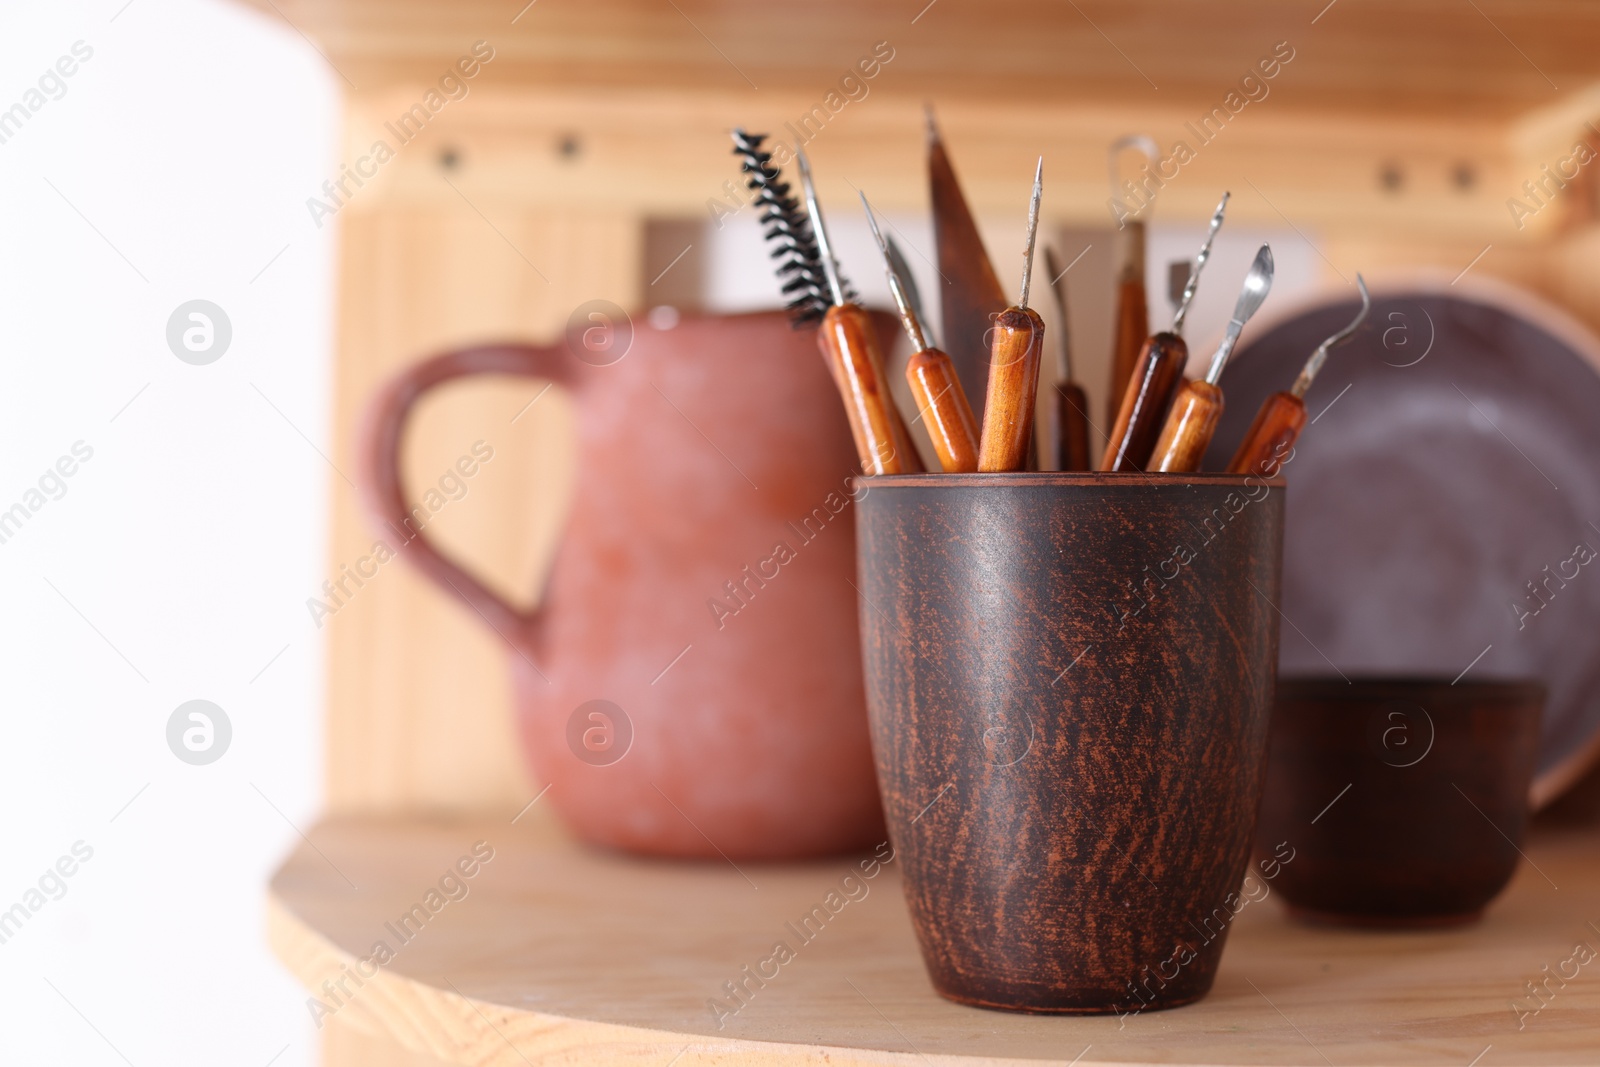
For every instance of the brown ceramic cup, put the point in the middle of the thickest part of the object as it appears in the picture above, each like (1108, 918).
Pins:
(1403, 800)
(1069, 680)
(689, 684)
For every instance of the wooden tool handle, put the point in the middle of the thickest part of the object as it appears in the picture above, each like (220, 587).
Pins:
(1133, 326)
(944, 409)
(1190, 424)
(850, 345)
(1272, 436)
(1014, 356)
(1144, 403)
(1072, 427)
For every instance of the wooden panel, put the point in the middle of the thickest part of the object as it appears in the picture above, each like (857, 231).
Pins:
(418, 697)
(562, 952)
(1491, 58)
(667, 153)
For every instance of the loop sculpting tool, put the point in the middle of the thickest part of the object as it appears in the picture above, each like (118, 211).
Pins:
(1282, 416)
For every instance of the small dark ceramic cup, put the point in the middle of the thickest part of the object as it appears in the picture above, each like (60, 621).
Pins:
(1069, 680)
(1403, 800)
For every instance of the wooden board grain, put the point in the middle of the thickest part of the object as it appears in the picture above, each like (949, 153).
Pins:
(1490, 57)
(557, 952)
(418, 685)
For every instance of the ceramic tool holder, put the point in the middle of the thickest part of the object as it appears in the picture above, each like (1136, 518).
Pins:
(1069, 680)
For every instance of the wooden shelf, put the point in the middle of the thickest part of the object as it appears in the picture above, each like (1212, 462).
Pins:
(562, 952)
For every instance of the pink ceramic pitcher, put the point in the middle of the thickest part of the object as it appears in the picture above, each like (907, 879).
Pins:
(690, 684)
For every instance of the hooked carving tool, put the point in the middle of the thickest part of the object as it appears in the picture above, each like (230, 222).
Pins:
(1282, 416)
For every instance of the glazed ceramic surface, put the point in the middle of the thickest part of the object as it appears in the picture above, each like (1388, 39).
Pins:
(1445, 514)
(1069, 678)
(690, 684)
(1404, 800)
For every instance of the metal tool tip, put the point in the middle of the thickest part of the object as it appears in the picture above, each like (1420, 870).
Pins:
(1033, 231)
(930, 126)
(872, 221)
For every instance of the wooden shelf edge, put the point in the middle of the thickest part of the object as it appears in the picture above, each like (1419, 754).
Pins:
(461, 1030)
(571, 954)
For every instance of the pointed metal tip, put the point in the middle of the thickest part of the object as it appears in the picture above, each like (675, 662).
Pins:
(931, 126)
(872, 221)
(1033, 231)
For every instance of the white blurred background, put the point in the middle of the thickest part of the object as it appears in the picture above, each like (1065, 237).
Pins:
(174, 167)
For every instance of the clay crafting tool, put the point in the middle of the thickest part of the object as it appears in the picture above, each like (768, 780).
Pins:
(941, 402)
(1198, 405)
(1132, 324)
(1156, 375)
(848, 341)
(1068, 439)
(1282, 416)
(970, 295)
(850, 345)
(1014, 366)
(908, 282)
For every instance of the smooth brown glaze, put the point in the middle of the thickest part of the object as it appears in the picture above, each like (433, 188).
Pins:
(942, 404)
(850, 345)
(734, 662)
(1014, 355)
(1276, 428)
(1187, 432)
(1138, 420)
(1404, 800)
(1071, 427)
(1069, 680)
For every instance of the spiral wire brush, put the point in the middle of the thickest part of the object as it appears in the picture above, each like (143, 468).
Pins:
(800, 268)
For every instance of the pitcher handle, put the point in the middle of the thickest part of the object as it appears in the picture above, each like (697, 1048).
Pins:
(382, 485)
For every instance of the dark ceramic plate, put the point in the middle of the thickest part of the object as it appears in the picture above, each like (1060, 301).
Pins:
(1443, 511)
